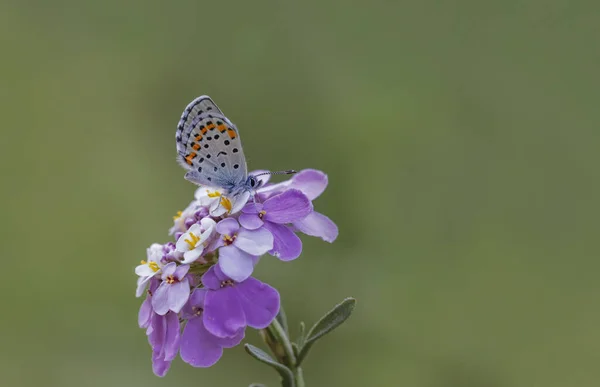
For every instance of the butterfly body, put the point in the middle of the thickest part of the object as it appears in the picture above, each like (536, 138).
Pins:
(209, 148)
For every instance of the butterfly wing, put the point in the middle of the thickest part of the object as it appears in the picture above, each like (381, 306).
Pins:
(212, 152)
(199, 106)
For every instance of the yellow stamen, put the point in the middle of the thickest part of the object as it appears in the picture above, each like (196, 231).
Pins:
(215, 194)
(143, 262)
(226, 203)
(228, 239)
(153, 266)
(192, 242)
(262, 214)
(170, 279)
(179, 213)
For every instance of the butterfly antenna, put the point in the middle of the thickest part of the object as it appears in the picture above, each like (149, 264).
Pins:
(288, 172)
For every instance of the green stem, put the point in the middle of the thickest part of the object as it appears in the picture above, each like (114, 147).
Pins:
(299, 377)
(279, 333)
(290, 359)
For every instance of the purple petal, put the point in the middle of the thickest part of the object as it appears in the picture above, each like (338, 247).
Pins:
(145, 313)
(318, 225)
(250, 221)
(210, 279)
(311, 182)
(254, 242)
(287, 207)
(259, 301)
(252, 208)
(228, 226)
(223, 314)
(171, 345)
(156, 333)
(235, 263)
(198, 347)
(178, 295)
(286, 244)
(230, 342)
(160, 367)
(168, 270)
(160, 299)
(181, 271)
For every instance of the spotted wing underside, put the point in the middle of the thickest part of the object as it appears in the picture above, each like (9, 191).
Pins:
(211, 151)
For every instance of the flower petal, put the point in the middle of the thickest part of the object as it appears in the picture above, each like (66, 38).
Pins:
(171, 345)
(160, 299)
(210, 279)
(318, 225)
(178, 295)
(168, 270)
(181, 271)
(144, 270)
(192, 255)
(254, 242)
(198, 347)
(259, 301)
(160, 367)
(141, 285)
(311, 182)
(239, 202)
(145, 313)
(230, 342)
(286, 244)
(223, 314)
(228, 226)
(249, 222)
(235, 263)
(287, 207)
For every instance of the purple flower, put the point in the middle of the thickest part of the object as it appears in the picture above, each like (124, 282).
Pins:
(174, 291)
(239, 248)
(163, 335)
(230, 306)
(199, 348)
(312, 183)
(277, 211)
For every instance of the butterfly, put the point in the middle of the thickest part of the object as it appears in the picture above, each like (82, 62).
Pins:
(209, 148)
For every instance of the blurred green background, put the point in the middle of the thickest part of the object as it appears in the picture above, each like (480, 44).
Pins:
(461, 139)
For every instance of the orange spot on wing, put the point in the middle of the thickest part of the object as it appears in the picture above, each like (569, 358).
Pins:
(204, 130)
(209, 126)
(199, 137)
(190, 157)
(231, 133)
(222, 128)
(196, 146)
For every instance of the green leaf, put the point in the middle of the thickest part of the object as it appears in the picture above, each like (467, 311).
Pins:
(262, 356)
(282, 318)
(302, 335)
(334, 318)
(296, 349)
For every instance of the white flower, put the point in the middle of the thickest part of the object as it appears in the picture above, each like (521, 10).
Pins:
(218, 204)
(148, 269)
(193, 242)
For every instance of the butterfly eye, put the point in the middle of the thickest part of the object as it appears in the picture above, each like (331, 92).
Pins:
(253, 181)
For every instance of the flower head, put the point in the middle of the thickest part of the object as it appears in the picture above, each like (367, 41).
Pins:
(202, 280)
(193, 242)
(173, 292)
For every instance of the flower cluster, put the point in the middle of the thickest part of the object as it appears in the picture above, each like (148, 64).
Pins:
(200, 293)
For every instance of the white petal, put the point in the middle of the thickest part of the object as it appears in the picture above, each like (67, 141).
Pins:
(181, 244)
(192, 255)
(144, 270)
